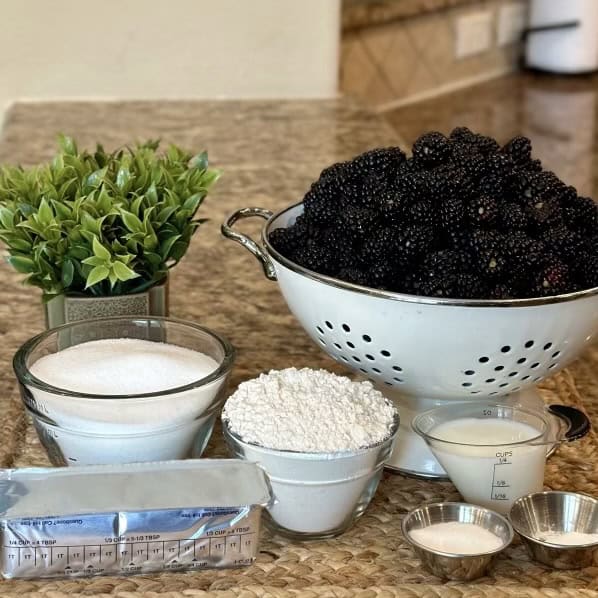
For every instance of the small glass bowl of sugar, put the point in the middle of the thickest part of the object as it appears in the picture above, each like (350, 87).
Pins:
(123, 389)
(559, 529)
(456, 541)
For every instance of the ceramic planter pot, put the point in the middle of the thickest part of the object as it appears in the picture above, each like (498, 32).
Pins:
(64, 308)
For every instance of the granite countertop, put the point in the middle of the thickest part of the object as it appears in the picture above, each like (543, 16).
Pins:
(270, 152)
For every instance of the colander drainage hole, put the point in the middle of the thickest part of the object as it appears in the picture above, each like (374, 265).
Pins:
(323, 342)
(511, 374)
(329, 325)
(363, 370)
(556, 354)
(385, 353)
(319, 330)
(499, 368)
(346, 328)
(484, 359)
(521, 360)
(355, 358)
(469, 372)
(388, 383)
(399, 380)
(350, 344)
(396, 368)
(494, 393)
(490, 380)
(538, 379)
(529, 344)
(370, 357)
(344, 358)
(376, 370)
(503, 384)
(534, 365)
(367, 338)
(337, 345)
(505, 349)
(525, 378)
(552, 365)
(466, 384)
(547, 346)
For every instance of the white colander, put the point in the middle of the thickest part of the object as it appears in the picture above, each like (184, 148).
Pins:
(427, 349)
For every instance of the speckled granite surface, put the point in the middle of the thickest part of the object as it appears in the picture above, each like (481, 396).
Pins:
(270, 152)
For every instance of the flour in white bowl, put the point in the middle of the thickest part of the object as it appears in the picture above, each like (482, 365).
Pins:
(309, 410)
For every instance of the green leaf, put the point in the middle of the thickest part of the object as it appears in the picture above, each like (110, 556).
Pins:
(96, 275)
(200, 161)
(93, 260)
(44, 212)
(131, 221)
(193, 202)
(7, 218)
(123, 177)
(152, 194)
(67, 145)
(100, 251)
(123, 272)
(166, 246)
(22, 264)
(68, 272)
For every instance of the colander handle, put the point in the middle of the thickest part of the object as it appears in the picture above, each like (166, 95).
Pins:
(245, 241)
(577, 421)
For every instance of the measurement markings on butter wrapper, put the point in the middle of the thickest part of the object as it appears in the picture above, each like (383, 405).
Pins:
(172, 553)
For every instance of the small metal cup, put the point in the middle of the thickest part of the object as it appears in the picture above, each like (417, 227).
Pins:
(536, 514)
(461, 567)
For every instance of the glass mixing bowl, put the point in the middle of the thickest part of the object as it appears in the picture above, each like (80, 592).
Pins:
(84, 429)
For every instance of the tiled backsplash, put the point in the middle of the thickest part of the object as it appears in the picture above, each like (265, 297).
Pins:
(404, 58)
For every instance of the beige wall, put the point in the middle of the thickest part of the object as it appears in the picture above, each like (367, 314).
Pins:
(72, 49)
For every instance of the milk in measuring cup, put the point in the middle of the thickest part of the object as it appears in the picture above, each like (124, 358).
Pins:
(490, 476)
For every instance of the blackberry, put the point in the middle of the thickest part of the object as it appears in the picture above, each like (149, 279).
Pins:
(553, 280)
(484, 240)
(581, 214)
(482, 211)
(452, 213)
(567, 194)
(534, 166)
(458, 183)
(436, 186)
(493, 185)
(354, 276)
(317, 258)
(442, 263)
(319, 210)
(491, 264)
(431, 286)
(519, 149)
(391, 208)
(361, 188)
(503, 291)
(536, 185)
(512, 216)
(565, 243)
(469, 286)
(286, 241)
(334, 171)
(498, 165)
(586, 270)
(422, 213)
(523, 252)
(379, 248)
(544, 214)
(431, 149)
(412, 187)
(384, 160)
(484, 144)
(381, 275)
(340, 244)
(413, 241)
(357, 222)
(462, 135)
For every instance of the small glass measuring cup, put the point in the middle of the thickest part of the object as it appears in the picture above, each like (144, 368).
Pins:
(495, 453)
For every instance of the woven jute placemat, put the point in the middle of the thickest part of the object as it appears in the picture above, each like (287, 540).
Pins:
(270, 152)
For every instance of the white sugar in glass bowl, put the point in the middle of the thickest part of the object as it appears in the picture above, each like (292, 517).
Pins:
(179, 368)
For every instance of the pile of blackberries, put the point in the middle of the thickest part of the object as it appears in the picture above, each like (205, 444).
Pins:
(462, 218)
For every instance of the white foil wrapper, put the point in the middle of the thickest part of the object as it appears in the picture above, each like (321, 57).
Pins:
(136, 518)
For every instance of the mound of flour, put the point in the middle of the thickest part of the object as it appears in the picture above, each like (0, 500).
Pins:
(309, 411)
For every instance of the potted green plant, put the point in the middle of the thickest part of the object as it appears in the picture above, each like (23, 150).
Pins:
(98, 231)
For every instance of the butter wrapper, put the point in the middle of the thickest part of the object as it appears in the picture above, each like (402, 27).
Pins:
(134, 518)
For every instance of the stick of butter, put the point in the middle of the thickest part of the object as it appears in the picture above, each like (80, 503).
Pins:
(132, 518)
